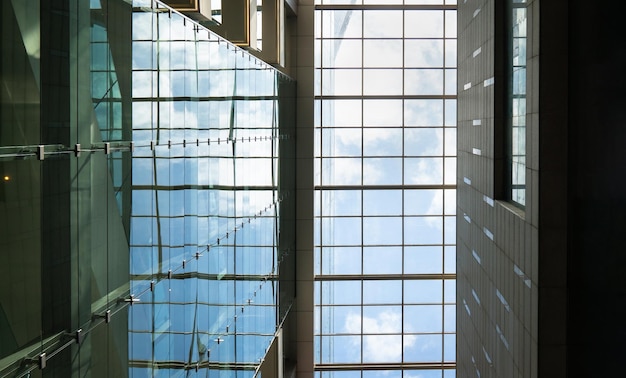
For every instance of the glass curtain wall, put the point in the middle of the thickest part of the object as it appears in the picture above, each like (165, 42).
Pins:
(210, 182)
(64, 242)
(385, 180)
(146, 215)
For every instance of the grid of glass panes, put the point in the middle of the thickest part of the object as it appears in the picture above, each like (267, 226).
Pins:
(204, 222)
(385, 176)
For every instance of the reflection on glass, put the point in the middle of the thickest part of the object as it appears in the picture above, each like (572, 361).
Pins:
(207, 234)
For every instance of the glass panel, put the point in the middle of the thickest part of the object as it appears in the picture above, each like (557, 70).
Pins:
(382, 260)
(382, 53)
(382, 82)
(340, 260)
(423, 24)
(423, 113)
(382, 230)
(382, 171)
(382, 113)
(341, 292)
(423, 82)
(423, 319)
(423, 142)
(341, 113)
(336, 82)
(382, 24)
(423, 171)
(341, 53)
(423, 260)
(382, 142)
(424, 53)
(382, 202)
(341, 349)
(382, 292)
(341, 24)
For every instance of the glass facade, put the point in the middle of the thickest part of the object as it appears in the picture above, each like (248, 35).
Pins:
(385, 180)
(146, 194)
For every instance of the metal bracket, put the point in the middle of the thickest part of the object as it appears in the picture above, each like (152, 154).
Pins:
(106, 316)
(130, 300)
(78, 336)
(42, 361)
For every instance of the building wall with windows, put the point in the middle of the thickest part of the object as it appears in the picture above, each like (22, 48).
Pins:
(497, 221)
(539, 210)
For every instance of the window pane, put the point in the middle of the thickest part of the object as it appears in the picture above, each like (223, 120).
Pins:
(341, 24)
(341, 292)
(423, 24)
(382, 142)
(424, 53)
(382, 23)
(341, 53)
(423, 291)
(423, 260)
(382, 292)
(423, 82)
(423, 171)
(382, 202)
(423, 230)
(382, 260)
(423, 319)
(382, 113)
(383, 171)
(382, 53)
(382, 230)
(423, 113)
(382, 82)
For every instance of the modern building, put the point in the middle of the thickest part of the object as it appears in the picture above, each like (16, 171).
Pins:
(166, 215)
(275, 188)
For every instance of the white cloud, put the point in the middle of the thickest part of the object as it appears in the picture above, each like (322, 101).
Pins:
(384, 344)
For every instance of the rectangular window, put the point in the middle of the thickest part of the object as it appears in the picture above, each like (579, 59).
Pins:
(516, 102)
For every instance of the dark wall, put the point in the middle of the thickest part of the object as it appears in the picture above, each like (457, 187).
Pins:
(597, 199)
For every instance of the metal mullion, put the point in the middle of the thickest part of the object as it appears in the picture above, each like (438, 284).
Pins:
(443, 219)
(384, 187)
(386, 366)
(385, 277)
(385, 6)
(402, 359)
(362, 14)
(385, 97)
(320, 192)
